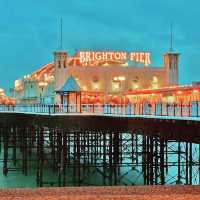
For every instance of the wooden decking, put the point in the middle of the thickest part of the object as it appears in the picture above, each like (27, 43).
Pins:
(92, 193)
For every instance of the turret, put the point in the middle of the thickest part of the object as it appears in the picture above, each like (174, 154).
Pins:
(60, 63)
(171, 61)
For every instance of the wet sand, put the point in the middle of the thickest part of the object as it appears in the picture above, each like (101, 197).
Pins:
(92, 193)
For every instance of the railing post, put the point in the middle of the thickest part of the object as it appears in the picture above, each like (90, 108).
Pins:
(167, 107)
(181, 109)
(142, 108)
(189, 109)
(133, 109)
(139, 109)
(174, 109)
(49, 109)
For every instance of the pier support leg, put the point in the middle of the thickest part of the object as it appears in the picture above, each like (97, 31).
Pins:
(14, 141)
(64, 157)
(116, 155)
(24, 150)
(162, 162)
(144, 160)
(40, 156)
(5, 158)
(110, 159)
(179, 163)
(78, 160)
(104, 158)
(151, 160)
(156, 162)
(190, 163)
(59, 154)
(186, 163)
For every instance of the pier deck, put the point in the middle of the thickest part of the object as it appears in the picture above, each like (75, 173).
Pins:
(168, 127)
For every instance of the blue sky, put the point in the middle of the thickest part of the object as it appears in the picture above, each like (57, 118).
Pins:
(29, 31)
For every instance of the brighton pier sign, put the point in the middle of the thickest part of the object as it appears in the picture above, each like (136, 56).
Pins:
(91, 56)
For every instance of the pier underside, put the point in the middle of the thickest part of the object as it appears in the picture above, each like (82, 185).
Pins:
(100, 150)
(173, 129)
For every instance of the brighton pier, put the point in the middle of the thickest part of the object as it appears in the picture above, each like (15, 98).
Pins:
(102, 123)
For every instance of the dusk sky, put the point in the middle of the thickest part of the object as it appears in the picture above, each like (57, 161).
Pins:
(29, 32)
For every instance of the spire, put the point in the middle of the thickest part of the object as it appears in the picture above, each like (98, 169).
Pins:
(61, 35)
(171, 37)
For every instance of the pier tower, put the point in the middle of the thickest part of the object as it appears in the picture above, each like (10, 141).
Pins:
(171, 64)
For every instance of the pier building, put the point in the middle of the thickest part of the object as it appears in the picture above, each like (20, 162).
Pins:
(95, 77)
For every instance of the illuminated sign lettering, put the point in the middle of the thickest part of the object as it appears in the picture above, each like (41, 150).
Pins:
(90, 56)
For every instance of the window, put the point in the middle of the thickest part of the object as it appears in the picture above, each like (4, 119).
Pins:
(154, 82)
(135, 82)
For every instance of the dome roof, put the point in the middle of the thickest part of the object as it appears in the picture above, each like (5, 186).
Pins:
(45, 70)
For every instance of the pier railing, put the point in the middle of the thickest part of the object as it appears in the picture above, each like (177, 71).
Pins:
(191, 109)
